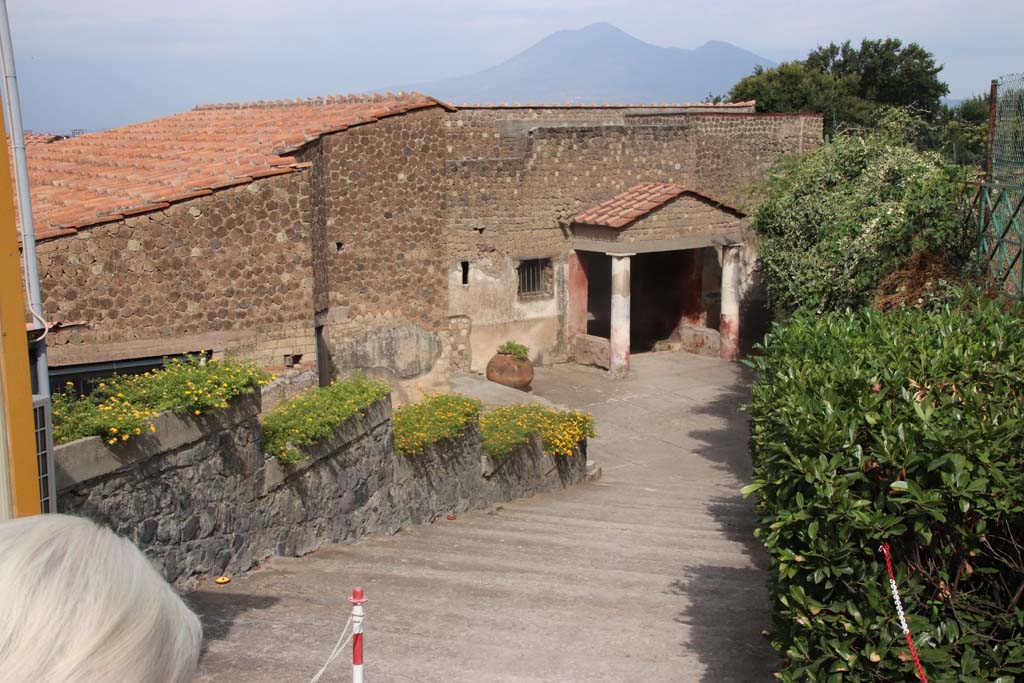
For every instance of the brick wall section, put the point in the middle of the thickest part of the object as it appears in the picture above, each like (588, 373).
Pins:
(384, 202)
(238, 260)
(734, 151)
(480, 133)
(519, 202)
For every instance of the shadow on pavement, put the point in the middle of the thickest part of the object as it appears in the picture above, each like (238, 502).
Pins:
(728, 606)
(727, 613)
(726, 446)
(218, 611)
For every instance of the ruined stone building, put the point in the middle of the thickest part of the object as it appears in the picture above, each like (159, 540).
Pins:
(402, 236)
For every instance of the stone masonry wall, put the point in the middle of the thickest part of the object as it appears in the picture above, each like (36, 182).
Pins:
(385, 305)
(516, 205)
(200, 498)
(492, 132)
(216, 272)
(384, 218)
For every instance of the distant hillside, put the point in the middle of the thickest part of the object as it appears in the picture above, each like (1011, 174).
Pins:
(600, 63)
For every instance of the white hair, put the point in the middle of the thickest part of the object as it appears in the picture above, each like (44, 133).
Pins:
(80, 604)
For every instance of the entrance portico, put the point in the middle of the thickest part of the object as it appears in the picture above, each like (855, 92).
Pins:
(655, 267)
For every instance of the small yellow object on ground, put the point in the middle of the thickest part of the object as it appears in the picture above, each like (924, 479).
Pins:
(222, 579)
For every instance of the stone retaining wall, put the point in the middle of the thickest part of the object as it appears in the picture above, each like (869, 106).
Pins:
(200, 498)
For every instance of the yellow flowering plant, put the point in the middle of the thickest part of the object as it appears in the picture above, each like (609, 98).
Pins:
(438, 416)
(445, 416)
(123, 406)
(314, 414)
(506, 427)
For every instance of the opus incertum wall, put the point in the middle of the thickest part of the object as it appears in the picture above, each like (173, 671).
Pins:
(200, 497)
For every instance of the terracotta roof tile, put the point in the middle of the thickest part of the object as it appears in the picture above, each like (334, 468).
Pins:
(41, 138)
(637, 202)
(99, 177)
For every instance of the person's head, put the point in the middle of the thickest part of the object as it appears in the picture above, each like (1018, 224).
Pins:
(79, 604)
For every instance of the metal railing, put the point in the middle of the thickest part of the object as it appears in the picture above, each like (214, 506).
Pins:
(41, 410)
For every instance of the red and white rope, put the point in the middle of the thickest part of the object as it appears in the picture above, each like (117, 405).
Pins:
(899, 610)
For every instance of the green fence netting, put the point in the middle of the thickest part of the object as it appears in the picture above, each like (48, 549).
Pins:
(1000, 202)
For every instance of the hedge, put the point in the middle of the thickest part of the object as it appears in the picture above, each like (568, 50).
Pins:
(904, 427)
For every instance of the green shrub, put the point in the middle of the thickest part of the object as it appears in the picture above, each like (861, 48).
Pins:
(122, 407)
(436, 417)
(507, 427)
(904, 427)
(314, 414)
(837, 221)
(518, 351)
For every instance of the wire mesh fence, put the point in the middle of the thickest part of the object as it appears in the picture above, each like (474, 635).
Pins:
(1008, 131)
(1000, 203)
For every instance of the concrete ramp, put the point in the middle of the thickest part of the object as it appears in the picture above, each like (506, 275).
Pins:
(650, 574)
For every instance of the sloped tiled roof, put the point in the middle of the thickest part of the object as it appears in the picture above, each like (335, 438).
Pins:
(102, 177)
(607, 105)
(637, 202)
(41, 138)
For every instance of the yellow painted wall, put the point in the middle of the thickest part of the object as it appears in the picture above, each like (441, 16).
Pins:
(14, 367)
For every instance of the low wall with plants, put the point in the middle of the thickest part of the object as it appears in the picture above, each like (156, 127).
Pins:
(901, 427)
(185, 493)
(214, 492)
(449, 450)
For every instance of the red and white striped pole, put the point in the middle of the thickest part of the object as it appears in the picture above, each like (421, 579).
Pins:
(887, 551)
(357, 601)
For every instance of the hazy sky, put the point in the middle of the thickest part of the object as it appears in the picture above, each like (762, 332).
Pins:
(105, 63)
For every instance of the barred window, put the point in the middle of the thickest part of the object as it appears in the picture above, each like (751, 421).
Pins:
(535, 276)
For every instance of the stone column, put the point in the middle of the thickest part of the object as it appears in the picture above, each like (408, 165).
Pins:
(729, 325)
(619, 342)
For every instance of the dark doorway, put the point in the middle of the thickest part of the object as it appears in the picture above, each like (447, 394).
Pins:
(656, 298)
(666, 291)
(599, 292)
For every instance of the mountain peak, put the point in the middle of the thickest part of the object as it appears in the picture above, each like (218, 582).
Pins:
(602, 63)
(603, 27)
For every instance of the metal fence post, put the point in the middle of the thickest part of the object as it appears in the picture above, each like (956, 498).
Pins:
(993, 96)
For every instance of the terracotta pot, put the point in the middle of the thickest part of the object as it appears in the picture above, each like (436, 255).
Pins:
(504, 369)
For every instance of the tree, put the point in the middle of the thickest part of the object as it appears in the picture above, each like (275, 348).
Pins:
(885, 72)
(794, 87)
(849, 84)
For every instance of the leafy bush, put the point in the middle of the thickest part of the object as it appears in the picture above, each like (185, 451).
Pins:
(518, 351)
(314, 414)
(507, 427)
(122, 407)
(904, 427)
(837, 221)
(436, 417)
